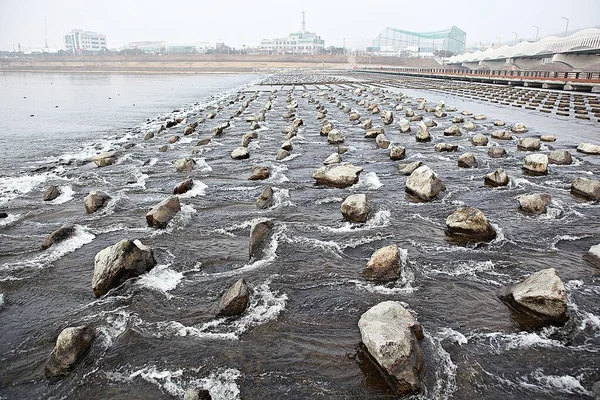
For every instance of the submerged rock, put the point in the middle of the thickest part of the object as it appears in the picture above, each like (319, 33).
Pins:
(259, 233)
(356, 208)
(469, 224)
(338, 175)
(519, 128)
(71, 346)
(51, 193)
(234, 301)
(184, 186)
(445, 147)
(534, 203)
(424, 184)
(160, 214)
(115, 264)
(59, 235)
(541, 296)
(95, 200)
(548, 138)
(265, 200)
(587, 188)
(384, 265)
(105, 159)
(391, 336)
(496, 178)
(502, 135)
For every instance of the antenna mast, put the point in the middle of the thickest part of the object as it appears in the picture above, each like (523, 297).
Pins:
(46, 31)
(303, 23)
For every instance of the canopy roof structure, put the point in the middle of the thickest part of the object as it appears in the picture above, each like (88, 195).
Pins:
(451, 40)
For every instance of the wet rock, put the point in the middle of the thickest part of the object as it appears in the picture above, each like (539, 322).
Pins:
(466, 113)
(469, 224)
(367, 124)
(334, 158)
(115, 264)
(338, 175)
(542, 296)
(196, 394)
(439, 147)
(259, 173)
(458, 120)
(479, 117)
(534, 203)
(384, 265)
(407, 169)
(422, 133)
(499, 123)
(282, 154)
(536, 164)
(59, 235)
(424, 184)
(388, 117)
(163, 148)
(354, 116)
(259, 233)
(409, 113)
(587, 188)
(254, 125)
(404, 125)
(335, 137)
(496, 178)
(173, 139)
(373, 133)
(596, 390)
(287, 145)
(479, 140)
(438, 113)
(429, 123)
(391, 336)
(234, 301)
(160, 214)
(548, 138)
(588, 148)
(397, 152)
(105, 159)
(528, 144)
(188, 130)
(325, 129)
(519, 128)
(246, 139)
(382, 141)
(560, 157)
(265, 200)
(203, 142)
(240, 153)
(356, 208)
(497, 152)
(467, 160)
(593, 254)
(149, 136)
(502, 135)
(3, 215)
(185, 164)
(51, 193)
(297, 122)
(454, 130)
(184, 186)
(469, 126)
(71, 346)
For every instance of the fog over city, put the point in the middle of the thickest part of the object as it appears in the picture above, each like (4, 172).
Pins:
(238, 23)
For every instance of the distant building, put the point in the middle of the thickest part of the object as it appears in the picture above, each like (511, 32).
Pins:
(148, 47)
(402, 43)
(78, 41)
(302, 42)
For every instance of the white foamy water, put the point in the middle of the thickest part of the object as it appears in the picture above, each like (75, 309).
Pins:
(328, 200)
(368, 181)
(501, 341)
(13, 187)
(539, 381)
(277, 173)
(202, 165)
(281, 198)
(161, 278)
(380, 219)
(199, 189)
(452, 335)
(11, 219)
(179, 221)
(66, 194)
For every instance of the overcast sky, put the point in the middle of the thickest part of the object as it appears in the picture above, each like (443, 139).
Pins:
(238, 22)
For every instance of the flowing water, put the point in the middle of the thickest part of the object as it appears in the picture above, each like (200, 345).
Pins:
(299, 336)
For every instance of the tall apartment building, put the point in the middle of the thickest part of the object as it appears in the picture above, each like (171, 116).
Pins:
(77, 41)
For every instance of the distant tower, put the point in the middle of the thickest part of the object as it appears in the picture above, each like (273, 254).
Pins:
(18, 45)
(46, 31)
(303, 30)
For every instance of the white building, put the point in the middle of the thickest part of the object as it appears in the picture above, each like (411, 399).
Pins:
(302, 42)
(77, 41)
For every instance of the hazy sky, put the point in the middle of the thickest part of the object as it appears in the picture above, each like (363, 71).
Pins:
(238, 22)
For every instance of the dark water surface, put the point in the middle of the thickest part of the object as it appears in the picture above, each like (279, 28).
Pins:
(299, 337)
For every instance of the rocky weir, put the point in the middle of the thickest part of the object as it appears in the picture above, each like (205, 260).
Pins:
(350, 239)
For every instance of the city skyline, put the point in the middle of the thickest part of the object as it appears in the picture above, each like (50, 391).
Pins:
(239, 23)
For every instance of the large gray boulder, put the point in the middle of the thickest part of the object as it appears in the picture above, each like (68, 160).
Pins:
(95, 200)
(51, 193)
(119, 262)
(542, 296)
(468, 224)
(259, 234)
(496, 178)
(536, 164)
(234, 301)
(105, 159)
(560, 157)
(391, 336)
(535, 203)
(59, 235)
(356, 208)
(384, 265)
(71, 346)
(265, 200)
(338, 175)
(424, 184)
(587, 188)
(185, 164)
(588, 148)
(160, 214)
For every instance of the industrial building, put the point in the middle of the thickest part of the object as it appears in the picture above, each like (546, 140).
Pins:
(397, 42)
(302, 42)
(78, 41)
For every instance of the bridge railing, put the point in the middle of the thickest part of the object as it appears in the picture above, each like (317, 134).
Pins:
(498, 73)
